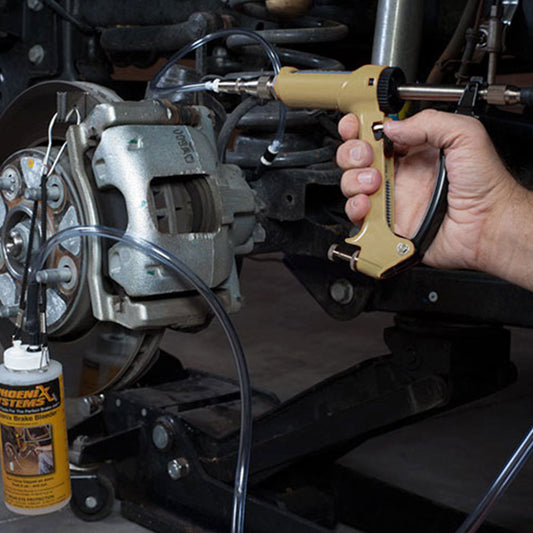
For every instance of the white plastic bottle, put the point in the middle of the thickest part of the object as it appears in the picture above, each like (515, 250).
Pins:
(33, 433)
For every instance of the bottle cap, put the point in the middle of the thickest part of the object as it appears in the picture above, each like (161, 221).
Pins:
(18, 357)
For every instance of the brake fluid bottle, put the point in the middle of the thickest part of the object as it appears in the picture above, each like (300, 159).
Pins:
(33, 432)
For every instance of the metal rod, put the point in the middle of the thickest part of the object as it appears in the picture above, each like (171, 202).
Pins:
(54, 275)
(441, 93)
(397, 35)
(493, 94)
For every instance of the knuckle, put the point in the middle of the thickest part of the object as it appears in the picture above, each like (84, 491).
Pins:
(348, 126)
(340, 150)
(350, 210)
(429, 114)
(475, 126)
(349, 183)
(473, 130)
(343, 153)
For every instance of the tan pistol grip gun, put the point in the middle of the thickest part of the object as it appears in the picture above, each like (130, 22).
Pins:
(380, 249)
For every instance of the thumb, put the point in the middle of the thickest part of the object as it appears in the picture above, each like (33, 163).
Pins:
(436, 128)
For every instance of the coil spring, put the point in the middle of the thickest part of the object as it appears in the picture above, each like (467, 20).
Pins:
(310, 134)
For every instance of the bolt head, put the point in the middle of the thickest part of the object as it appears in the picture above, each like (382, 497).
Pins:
(341, 291)
(160, 437)
(163, 434)
(35, 5)
(178, 468)
(91, 502)
(36, 54)
(402, 248)
(14, 243)
(10, 183)
(433, 296)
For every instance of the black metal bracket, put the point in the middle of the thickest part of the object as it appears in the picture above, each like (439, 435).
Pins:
(469, 100)
(179, 439)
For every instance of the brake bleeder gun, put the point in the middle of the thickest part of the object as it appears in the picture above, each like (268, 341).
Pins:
(371, 93)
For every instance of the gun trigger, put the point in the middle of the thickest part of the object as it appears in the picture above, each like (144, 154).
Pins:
(388, 147)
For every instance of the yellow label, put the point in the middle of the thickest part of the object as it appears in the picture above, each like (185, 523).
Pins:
(35, 467)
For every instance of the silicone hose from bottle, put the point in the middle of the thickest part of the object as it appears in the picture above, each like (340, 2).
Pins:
(499, 486)
(180, 268)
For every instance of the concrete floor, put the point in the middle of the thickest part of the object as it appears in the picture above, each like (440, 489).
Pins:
(291, 344)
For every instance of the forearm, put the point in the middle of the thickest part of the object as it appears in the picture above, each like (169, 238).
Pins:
(507, 247)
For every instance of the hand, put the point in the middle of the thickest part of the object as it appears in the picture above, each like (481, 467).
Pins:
(480, 188)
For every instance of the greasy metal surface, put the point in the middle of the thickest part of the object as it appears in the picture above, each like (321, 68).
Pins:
(380, 248)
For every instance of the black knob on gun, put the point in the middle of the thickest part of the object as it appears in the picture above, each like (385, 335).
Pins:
(388, 96)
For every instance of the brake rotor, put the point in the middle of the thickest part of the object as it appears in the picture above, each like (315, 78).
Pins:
(95, 355)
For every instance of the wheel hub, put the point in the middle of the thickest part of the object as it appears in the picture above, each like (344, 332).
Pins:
(90, 361)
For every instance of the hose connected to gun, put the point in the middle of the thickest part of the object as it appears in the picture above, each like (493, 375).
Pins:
(274, 147)
(180, 54)
(177, 266)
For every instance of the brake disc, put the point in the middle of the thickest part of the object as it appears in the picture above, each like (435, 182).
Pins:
(95, 355)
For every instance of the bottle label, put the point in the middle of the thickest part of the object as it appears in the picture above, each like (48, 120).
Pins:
(34, 454)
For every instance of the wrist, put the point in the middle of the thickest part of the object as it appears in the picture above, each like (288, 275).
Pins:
(506, 247)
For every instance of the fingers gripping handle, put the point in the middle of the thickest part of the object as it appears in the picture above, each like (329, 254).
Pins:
(379, 248)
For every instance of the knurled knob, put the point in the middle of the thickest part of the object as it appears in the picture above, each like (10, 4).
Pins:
(388, 98)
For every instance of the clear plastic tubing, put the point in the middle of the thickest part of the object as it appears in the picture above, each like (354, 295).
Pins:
(194, 87)
(499, 485)
(280, 132)
(174, 264)
(270, 51)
